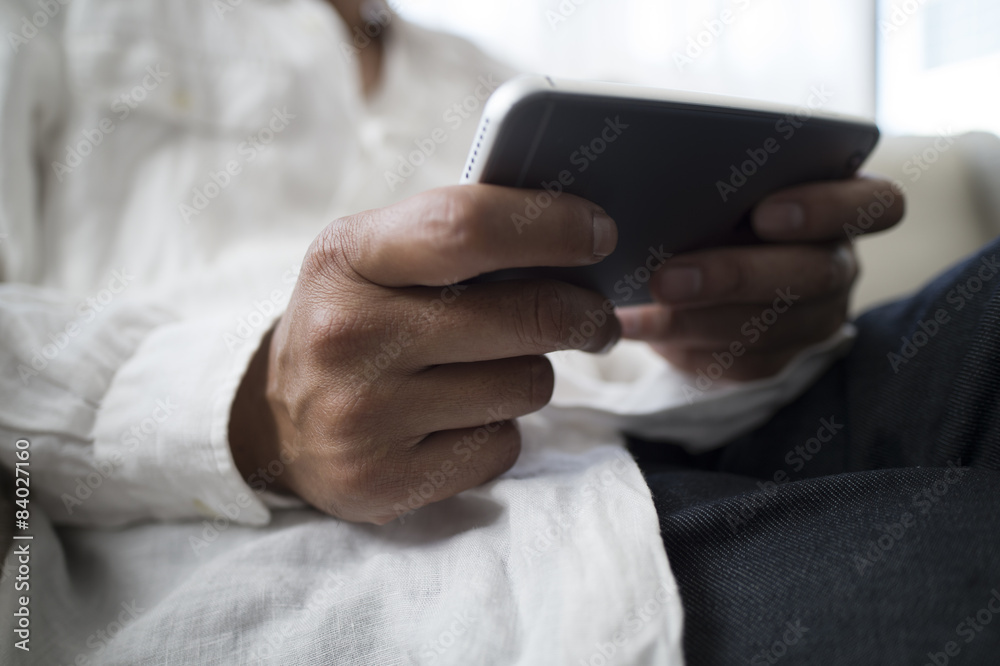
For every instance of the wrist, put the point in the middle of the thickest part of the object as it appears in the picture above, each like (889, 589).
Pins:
(253, 432)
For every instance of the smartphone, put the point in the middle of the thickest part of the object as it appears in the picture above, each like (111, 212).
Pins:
(677, 171)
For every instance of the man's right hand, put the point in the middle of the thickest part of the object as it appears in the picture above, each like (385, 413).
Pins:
(392, 385)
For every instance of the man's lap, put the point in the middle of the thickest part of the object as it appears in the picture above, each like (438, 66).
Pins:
(820, 517)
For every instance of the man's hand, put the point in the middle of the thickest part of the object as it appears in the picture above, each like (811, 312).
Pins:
(393, 389)
(772, 300)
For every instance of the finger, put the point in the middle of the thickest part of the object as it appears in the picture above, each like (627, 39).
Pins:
(832, 210)
(496, 321)
(748, 367)
(446, 463)
(720, 328)
(451, 234)
(755, 274)
(458, 395)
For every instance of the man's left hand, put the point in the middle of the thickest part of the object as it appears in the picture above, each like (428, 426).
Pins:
(771, 300)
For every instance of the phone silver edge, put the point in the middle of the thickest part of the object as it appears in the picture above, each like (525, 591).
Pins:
(520, 88)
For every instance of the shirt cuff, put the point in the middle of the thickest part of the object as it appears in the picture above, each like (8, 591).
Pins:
(166, 416)
(633, 389)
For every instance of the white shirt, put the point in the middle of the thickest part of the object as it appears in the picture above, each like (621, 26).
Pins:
(163, 168)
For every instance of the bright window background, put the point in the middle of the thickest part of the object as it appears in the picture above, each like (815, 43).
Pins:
(771, 49)
(939, 66)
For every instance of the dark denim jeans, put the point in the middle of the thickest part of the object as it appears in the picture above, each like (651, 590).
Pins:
(861, 525)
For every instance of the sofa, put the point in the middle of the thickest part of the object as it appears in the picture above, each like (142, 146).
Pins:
(952, 186)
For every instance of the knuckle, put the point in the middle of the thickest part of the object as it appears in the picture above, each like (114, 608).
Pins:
(347, 423)
(365, 484)
(456, 224)
(359, 411)
(341, 332)
(596, 310)
(542, 315)
(329, 253)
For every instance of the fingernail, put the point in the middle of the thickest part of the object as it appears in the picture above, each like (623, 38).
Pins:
(680, 284)
(605, 234)
(845, 266)
(779, 218)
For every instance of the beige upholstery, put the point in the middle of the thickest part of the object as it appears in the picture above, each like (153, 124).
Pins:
(953, 208)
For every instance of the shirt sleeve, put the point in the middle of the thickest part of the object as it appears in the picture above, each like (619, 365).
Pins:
(124, 404)
(635, 390)
(125, 408)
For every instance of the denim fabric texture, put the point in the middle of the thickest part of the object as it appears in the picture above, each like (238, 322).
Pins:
(861, 525)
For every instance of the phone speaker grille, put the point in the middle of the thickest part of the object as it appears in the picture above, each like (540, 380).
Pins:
(475, 148)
